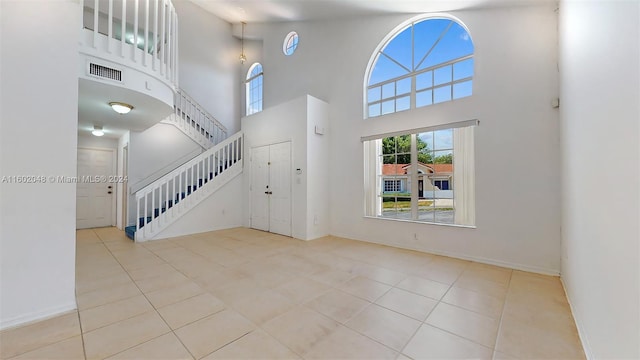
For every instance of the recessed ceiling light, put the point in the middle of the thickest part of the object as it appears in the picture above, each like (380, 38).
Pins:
(121, 108)
(97, 130)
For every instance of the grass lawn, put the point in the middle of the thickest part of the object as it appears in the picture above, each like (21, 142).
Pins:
(405, 204)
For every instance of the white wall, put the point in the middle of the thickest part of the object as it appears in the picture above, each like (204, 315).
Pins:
(294, 121)
(122, 186)
(517, 143)
(317, 168)
(221, 210)
(209, 65)
(38, 107)
(285, 122)
(600, 112)
(153, 153)
(95, 142)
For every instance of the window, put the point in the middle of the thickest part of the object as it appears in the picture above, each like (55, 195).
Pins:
(254, 89)
(428, 62)
(392, 186)
(290, 43)
(425, 175)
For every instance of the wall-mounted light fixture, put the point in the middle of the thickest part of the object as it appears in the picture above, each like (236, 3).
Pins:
(120, 107)
(97, 130)
(243, 57)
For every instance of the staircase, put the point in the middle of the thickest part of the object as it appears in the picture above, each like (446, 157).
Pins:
(195, 122)
(165, 200)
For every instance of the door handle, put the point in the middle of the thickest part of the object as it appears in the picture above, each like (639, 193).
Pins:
(268, 192)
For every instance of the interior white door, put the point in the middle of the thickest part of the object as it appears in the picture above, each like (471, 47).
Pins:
(94, 195)
(260, 188)
(280, 188)
(271, 188)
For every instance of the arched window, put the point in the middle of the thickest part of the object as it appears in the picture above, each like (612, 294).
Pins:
(426, 62)
(254, 89)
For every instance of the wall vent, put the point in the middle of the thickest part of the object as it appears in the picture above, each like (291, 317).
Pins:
(105, 72)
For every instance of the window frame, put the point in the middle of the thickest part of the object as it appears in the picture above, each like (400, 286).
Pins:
(374, 178)
(378, 52)
(249, 101)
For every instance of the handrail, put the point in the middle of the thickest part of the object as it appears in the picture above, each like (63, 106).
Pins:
(197, 122)
(156, 203)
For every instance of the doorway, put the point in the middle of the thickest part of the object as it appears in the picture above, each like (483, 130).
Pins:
(94, 191)
(271, 188)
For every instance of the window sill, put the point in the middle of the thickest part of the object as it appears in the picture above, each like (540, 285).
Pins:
(421, 222)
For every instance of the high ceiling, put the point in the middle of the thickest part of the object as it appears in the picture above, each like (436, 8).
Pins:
(253, 11)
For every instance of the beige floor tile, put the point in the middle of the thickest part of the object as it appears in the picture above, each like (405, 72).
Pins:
(482, 286)
(103, 315)
(255, 345)
(170, 295)
(424, 287)
(161, 282)
(497, 355)
(489, 272)
(541, 311)
(465, 323)
(119, 278)
(114, 338)
(345, 343)
(70, 349)
(432, 343)
(332, 277)
(388, 327)
(106, 295)
(338, 305)
(364, 288)
(163, 347)
(210, 334)
(380, 274)
(407, 303)
(212, 280)
(471, 300)
(300, 328)
(26, 338)
(151, 271)
(271, 278)
(523, 340)
(301, 289)
(263, 306)
(87, 236)
(238, 290)
(192, 309)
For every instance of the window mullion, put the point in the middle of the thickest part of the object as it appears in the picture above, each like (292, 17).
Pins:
(414, 177)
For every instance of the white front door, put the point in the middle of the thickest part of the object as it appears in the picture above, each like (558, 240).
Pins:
(271, 188)
(94, 195)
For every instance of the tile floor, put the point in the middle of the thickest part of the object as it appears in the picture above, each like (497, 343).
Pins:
(242, 293)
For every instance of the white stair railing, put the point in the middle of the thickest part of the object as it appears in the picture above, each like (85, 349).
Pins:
(162, 202)
(195, 121)
(142, 32)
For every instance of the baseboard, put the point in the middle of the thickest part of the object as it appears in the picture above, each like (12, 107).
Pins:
(37, 316)
(506, 264)
(586, 347)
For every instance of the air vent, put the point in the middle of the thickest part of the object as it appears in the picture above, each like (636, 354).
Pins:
(105, 72)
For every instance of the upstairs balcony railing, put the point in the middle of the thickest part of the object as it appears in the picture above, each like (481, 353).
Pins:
(142, 34)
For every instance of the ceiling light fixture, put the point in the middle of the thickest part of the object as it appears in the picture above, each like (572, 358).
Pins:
(120, 108)
(97, 130)
(243, 57)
